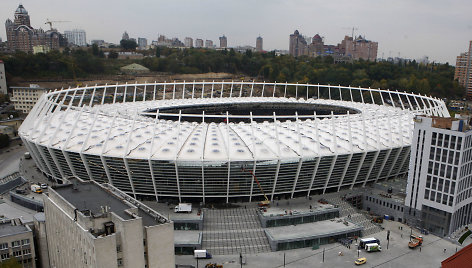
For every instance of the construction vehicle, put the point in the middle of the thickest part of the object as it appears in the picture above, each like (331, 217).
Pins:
(377, 219)
(213, 265)
(266, 202)
(416, 240)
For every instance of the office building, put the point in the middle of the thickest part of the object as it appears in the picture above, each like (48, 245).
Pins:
(259, 44)
(76, 37)
(223, 42)
(463, 73)
(22, 36)
(16, 241)
(208, 43)
(3, 79)
(188, 42)
(439, 190)
(199, 42)
(24, 98)
(93, 225)
(142, 43)
(297, 45)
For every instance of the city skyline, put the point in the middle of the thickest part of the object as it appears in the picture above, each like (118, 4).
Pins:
(406, 29)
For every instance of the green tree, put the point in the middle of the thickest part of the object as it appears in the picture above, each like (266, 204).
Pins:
(128, 44)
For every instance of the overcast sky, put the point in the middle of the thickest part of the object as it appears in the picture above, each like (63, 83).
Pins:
(439, 29)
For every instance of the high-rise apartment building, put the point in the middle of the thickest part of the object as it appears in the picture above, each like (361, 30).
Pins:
(208, 43)
(259, 44)
(22, 36)
(3, 79)
(297, 45)
(199, 42)
(439, 190)
(93, 225)
(359, 48)
(223, 42)
(463, 73)
(188, 42)
(125, 36)
(76, 37)
(142, 43)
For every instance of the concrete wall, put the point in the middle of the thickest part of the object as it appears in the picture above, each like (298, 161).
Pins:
(131, 236)
(160, 245)
(384, 206)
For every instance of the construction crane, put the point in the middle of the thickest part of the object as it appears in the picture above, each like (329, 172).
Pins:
(266, 202)
(50, 22)
(353, 29)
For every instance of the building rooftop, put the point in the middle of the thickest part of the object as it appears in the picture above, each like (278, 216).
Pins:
(314, 229)
(188, 237)
(7, 229)
(90, 197)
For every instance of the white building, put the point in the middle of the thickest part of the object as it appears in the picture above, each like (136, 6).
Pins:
(76, 37)
(188, 41)
(199, 42)
(142, 43)
(439, 191)
(208, 43)
(24, 98)
(93, 225)
(3, 79)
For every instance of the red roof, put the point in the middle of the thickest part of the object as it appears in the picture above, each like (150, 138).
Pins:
(463, 258)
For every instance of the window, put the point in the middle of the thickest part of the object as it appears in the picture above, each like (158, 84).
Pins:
(26, 251)
(5, 256)
(120, 262)
(25, 242)
(17, 253)
(118, 248)
(15, 244)
(3, 245)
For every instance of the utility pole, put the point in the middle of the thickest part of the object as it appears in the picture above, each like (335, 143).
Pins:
(323, 253)
(284, 258)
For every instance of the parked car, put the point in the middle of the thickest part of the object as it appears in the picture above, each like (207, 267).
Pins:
(20, 191)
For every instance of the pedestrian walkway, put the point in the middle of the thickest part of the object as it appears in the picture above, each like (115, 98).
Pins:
(233, 231)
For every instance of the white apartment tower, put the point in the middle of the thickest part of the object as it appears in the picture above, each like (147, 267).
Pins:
(188, 42)
(439, 191)
(3, 79)
(76, 37)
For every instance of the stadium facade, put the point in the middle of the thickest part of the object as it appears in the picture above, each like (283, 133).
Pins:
(207, 140)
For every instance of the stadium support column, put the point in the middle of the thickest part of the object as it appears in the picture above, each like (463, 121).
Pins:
(278, 155)
(183, 90)
(82, 156)
(253, 153)
(296, 176)
(401, 101)
(227, 153)
(263, 87)
(340, 94)
(126, 152)
(358, 169)
(285, 90)
(296, 91)
(351, 149)
(317, 149)
(177, 177)
(231, 89)
(300, 149)
(273, 92)
(193, 89)
(372, 96)
(150, 155)
(241, 89)
(126, 91)
(222, 89)
(330, 172)
(104, 93)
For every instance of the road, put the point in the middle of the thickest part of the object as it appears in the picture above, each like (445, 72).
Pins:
(10, 159)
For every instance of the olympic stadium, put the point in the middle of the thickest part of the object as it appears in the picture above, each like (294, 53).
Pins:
(227, 140)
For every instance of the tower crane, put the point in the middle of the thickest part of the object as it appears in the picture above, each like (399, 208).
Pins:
(50, 22)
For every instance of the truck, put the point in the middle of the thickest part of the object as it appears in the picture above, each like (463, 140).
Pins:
(416, 240)
(369, 240)
(372, 247)
(183, 207)
(201, 254)
(36, 188)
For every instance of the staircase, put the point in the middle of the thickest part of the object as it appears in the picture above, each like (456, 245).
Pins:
(233, 231)
(357, 217)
